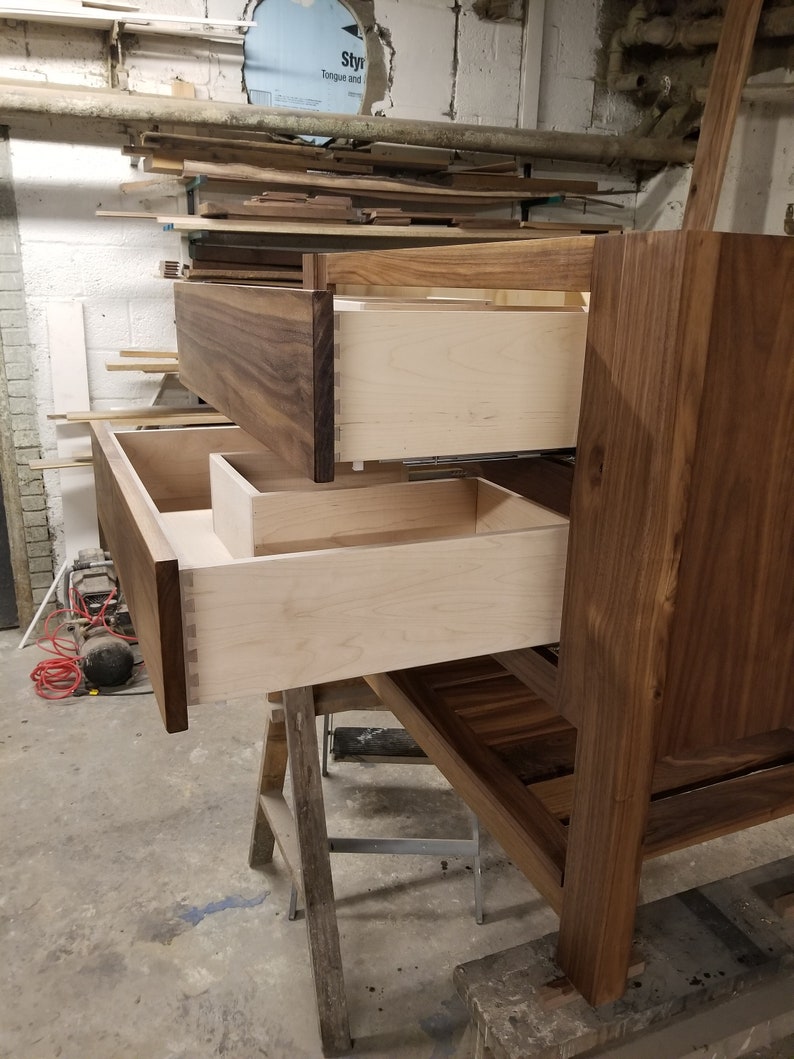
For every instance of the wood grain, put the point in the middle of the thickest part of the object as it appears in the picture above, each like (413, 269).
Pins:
(673, 776)
(318, 887)
(347, 611)
(550, 264)
(732, 654)
(265, 358)
(697, 816)
(518, 821)
(422, 383)
(534, 670)
(187, 488)
(636, 439)
(728, 77)
(272, 771)
(148, 571)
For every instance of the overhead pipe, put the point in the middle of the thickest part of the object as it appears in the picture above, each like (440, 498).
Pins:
(671, 32)
(127, 110)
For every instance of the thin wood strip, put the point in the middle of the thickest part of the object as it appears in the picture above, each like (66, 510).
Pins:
(150, 367)
(426, 233)
(149, 354)
(282, 823)
(62, 463)
(728, 77)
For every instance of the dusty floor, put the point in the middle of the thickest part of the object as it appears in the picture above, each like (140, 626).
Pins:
(132, 928)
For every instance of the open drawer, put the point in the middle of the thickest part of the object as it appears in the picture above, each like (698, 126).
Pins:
(295, 583)
(323, 380)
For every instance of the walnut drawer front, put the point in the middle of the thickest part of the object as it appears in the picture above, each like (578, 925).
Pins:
(341, 580)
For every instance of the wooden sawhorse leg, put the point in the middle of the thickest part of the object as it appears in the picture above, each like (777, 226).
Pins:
(303, 841)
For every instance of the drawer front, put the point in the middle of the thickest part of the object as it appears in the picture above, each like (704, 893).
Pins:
(321, 385)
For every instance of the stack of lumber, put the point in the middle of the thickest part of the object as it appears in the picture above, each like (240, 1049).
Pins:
(255, 202)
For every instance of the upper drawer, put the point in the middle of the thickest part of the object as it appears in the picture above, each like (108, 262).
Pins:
(322, 380)
(278, 586)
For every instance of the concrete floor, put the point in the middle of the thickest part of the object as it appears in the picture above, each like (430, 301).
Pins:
(132, 928)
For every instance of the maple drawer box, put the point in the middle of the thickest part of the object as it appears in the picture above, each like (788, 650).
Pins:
(324, 380)
(291, 586)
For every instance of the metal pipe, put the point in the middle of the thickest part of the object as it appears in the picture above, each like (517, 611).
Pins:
(678, 33)
(62, 101)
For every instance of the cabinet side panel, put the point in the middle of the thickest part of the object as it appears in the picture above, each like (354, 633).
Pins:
(264, 357)
(646, 350)
(732, 655)
(148, 571)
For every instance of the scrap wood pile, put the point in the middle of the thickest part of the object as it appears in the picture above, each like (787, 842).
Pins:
(257, 202)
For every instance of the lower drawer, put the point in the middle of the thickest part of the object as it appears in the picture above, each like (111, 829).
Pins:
(275, 586)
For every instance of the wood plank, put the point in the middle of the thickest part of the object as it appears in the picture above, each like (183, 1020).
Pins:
(558, 264)
(728, 77)
(532, 669)
(148, 354)
(530, 186)
(416, 383)
(60, 464)
(698, 816)
(355, 233)
(386, 187)
(156, 366)
(155, 417)
(732, 655)
(348, 611)
(278, 819)
(696, 769)
(303, 211)
(636, 442)
(275, 381)
(148, 571)
(318, 889)
(533, 840)
(244, 255)
(272, 772)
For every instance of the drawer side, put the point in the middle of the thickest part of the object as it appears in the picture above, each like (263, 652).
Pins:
(148, 571)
